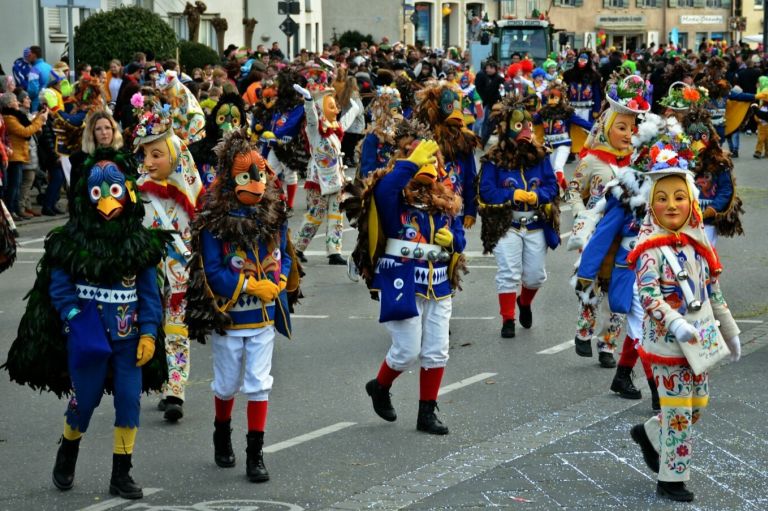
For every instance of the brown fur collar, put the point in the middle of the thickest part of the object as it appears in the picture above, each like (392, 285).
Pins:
(435, 198)
(511, 155)
(454, 139)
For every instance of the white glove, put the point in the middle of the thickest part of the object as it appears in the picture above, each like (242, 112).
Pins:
(734, 344)
(301, 90)
(683, 331)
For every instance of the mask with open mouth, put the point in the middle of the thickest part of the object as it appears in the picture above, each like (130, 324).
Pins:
(108, 189)
(249, 177)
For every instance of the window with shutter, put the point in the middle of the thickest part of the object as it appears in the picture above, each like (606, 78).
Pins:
(724, 4)
(673, 3)
(54, 20)
(699, 4)
(113, 4)
(578, 3)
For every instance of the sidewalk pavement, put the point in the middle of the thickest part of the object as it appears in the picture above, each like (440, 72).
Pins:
(583, 458)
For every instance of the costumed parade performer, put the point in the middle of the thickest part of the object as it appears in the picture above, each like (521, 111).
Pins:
(518, 198)
(93, 321)
(471, 103)
(556, 120)
(284, 140)
(237, 295)
(760, 112)
(584, 87)
(172, 185)
(379, 143)
(678, 280)
(325, 177)
(227, 115)
(607, 152)
(187, 114)
(410, 254)
(439, 108)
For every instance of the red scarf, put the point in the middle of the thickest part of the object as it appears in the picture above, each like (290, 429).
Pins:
(326, 131)
(606, 157)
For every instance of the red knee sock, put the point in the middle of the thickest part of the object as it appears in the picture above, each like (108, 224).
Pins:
(429, 383)
(647, 369)
(223, 408)
(291, 192)
(386, 375)
(257, 415)
(507, 305)
(629, 354)
(526, 296)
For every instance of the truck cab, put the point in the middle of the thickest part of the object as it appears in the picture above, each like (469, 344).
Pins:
(531, 36)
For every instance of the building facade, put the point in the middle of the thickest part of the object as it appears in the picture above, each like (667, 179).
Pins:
(631, 24)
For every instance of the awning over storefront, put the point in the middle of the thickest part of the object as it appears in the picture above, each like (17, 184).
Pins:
(757, 38)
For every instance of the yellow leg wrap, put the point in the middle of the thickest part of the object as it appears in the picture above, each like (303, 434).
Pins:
(71, 434)
(124, 440)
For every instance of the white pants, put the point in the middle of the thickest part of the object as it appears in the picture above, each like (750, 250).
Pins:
(711, 233)
(559, 157)
(520, 258)
(287, 176)
(635, 316)
(423, 337)
(251, 354)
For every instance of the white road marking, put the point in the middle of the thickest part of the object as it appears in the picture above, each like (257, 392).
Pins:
(117, 501)
(307, 437)
(556, 349)
(309, 316)
(482, 267)
(565, 235)
(322, 234)
(460, 318)
(362, 317)
(468, 253)
(27, 242)
(31, 250)
(751, 321)
(463, 383)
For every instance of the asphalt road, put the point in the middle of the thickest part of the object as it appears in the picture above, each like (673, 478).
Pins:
(532, 425)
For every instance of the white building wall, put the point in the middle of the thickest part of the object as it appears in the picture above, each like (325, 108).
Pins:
(310, 21)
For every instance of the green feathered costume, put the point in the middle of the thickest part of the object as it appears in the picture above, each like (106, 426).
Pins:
(99, 251)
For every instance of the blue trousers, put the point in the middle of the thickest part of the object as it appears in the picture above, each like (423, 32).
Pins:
(13, 186)
(88, 384)
(54, 188)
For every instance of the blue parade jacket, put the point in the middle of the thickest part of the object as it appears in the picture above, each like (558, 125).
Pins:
(498, 185)
(128, 309)
(717, 193)
(287, 124)
(227, 266)
(374, 154)
(405, 222)
(555, 129)
(583, 93)
(617, 222)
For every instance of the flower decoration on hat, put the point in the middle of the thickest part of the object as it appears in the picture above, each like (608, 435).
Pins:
(153, 124)
(682, 96)
(628, 95)
(656, 133)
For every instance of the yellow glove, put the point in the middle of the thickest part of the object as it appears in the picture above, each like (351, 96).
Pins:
(444, 237)
(424, 154)
(469, 222)
(527, 197)
(264, 290)
(268, 134)
(145, 350)
(282, 285)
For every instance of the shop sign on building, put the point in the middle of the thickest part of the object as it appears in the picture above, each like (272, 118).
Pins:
(701, 20)
(619, 20)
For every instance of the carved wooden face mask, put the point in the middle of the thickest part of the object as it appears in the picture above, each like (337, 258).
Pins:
(249, 174)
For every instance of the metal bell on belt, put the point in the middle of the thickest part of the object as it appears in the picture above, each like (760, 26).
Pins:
(432, 255)
(405, 251)
(682, 275)
(444, 256)
(695, 305)
(418, 253)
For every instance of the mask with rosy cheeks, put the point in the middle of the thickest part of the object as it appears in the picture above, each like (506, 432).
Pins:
(108, 189)
(330, 109)
(249, 177)
(621, 131)
(671, 205)
(158, 158)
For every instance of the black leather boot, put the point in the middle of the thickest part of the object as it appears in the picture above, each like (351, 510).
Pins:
(64, 468)
(122, 483)
(336, 260)
(382, 404)
(583, 347)
(301, 256)
(524, 315)
(650, 455)
(174, 409)
(622, 384)
(222, 444)
(254, 462)
(508, 329)
(674, 491)
(606, 360)
(428, 421)
(654, 396)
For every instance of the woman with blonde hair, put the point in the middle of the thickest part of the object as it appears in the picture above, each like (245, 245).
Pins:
(347, 94)
(100, 132)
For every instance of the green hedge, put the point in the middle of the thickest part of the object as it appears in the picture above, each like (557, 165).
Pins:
(192, 55)
(119, 33)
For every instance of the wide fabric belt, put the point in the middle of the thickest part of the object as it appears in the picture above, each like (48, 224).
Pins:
(106, 295)
(582, 104)
(717, 116)
(557, 137)
(245, 302)
(439, 275)
(525, 217)
(628, 243)
(416, 251)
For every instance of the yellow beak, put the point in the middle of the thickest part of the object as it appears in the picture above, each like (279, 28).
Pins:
(697, 146)
(456, 115)
(426, 174)
(109, 207)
